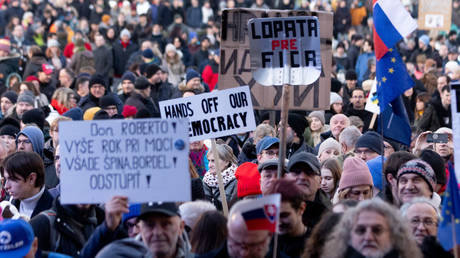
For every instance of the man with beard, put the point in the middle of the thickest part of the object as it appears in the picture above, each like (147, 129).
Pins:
(305, 169)
(160, 90)
(292, 232)
(294, 135)
(372, 229)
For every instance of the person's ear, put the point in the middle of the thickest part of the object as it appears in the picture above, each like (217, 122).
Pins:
(182, 226)
(302, 207)
(32, 178)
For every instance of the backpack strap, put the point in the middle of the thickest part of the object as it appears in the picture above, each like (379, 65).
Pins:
(55, 236)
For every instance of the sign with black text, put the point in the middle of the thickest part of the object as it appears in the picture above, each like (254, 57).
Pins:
(285, 50)
(212, 115)
(143, 159)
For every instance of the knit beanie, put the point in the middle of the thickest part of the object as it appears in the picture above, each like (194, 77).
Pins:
(151, 70)
(191, 74)
(75, 113)
(35, 116)
(298, 123)
(129, 111)
(90, 112)
(5, 45)
(335, 98)
(27, 97)
(9, 126)
(437, 164)
(107, 100)
(351, 75)
(141, 83)
(97, 79)
(319, 115)
(248, 180)
(370, 140)
(375, 167)
(11, 95)
(421, 168)
(330, 143)
(101, 115)
(125, 32)
(35, 135)
(170, 47)
(147, 53)
(129, 76)
(134, 212)
(355, 173)
(425, 39)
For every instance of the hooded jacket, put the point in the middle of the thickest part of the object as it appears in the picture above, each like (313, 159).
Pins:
(36, 137)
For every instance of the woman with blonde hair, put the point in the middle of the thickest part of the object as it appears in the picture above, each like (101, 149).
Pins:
(227, 164)
(356, 180)
(172, 60)
(63, 99)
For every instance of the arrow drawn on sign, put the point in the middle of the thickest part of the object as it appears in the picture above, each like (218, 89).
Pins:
(174, 126)
(174, 160)
(148, 180)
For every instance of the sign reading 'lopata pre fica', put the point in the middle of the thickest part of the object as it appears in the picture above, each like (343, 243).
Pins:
(285, 50)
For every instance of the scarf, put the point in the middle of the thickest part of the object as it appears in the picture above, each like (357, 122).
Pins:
(197, 158)
(61, 109)
(227, 175)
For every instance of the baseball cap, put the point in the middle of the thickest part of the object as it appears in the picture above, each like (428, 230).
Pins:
(166, 208)
(270, 163)
(266, 143)
(305, 158)
(47, 69)
(16, 237)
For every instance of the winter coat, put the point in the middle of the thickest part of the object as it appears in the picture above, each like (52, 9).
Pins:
(163, 91)
(136, 100)
(194, 17)
(64, 229)
(211, 188)
(45, 202)
(33, 65)
(121, 56)
(81, 59)
(434, 117)
(103, 60)
(8, 65)
(176, 70)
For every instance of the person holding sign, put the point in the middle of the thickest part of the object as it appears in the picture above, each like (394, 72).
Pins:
(227, 165)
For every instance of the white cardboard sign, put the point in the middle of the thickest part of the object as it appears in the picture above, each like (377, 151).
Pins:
(215, 114)
(455, 108)
(143, 159)
(285, 50)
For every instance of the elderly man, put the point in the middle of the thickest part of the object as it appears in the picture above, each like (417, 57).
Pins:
(416, 178)
(348, 138)
(337, 124)
(267, 148)
(368, 146)
(372, 229)
(423, 217)
(268, 174)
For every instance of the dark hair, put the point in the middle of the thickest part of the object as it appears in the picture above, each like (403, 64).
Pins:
(289, 191)
(445, 88)
(392, 165)
(321, 232)
(209, 232)
(21, 164)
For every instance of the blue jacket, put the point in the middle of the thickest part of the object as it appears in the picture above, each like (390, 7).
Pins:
(361, 65)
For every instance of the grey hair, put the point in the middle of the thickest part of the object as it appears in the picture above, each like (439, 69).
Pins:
(190, 212)
(349, 136)
(403, 242)
(418, 200)
(225, 153)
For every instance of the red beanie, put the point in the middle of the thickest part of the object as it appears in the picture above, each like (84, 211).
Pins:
(248, 180)
(129, 111)
(355, 173)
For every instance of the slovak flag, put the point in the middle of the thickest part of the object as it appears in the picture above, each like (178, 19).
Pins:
(392, 22)
(262, 213)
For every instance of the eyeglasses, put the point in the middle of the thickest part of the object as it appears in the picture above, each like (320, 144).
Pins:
(27, 141)
(427, 222)
(271, 152)
(376, 230)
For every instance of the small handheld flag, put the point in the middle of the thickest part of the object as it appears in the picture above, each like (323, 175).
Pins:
(263, 213)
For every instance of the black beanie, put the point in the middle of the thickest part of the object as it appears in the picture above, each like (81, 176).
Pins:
(107, 100)
(437, 164)
(11, 95)
(97, 79)
(9, 130)
(351, 75)
(35, 116)
(298, 123)
(151, 70)
(141, 83)
(101, 115)
(370, 140)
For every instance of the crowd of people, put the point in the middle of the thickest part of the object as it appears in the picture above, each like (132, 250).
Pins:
(345, 190)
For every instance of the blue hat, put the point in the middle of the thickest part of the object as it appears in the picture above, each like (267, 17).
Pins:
(266, 143)
(129, 76)
(75, 113)
(425, 39)
(375, 167)
(16, 237)
(370, 140)
(191, 74)
(147, 53)
(134, 211)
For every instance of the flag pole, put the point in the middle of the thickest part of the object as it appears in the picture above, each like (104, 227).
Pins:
(382, 148)
(454, 237)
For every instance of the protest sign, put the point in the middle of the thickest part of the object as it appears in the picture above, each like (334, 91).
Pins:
(143, 159)
(372, 102)
(455, 108)
(434, 14)
(235, 67)
(285, 50)
(212, 115)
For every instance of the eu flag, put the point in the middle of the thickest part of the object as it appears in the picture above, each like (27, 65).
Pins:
(392, 78)
(450, 216)
(396, 122)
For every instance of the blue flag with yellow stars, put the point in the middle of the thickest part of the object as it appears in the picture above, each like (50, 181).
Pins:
(450, 215)
(392, 78)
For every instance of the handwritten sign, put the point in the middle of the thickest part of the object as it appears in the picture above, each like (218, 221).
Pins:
(212, 115)
(285, 50)
(434, 14)
(143, 159)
